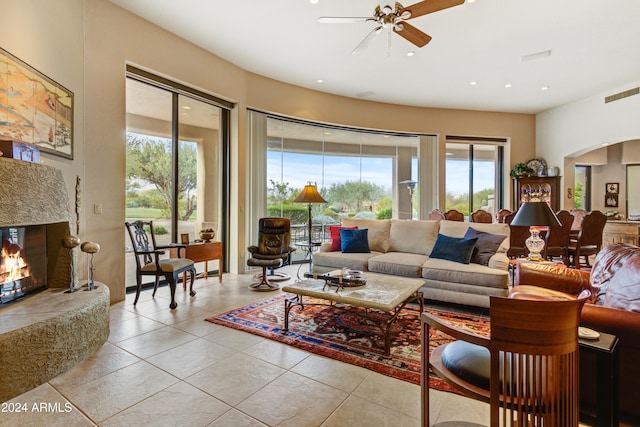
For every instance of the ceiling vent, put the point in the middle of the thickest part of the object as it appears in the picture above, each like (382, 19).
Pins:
(621, 95)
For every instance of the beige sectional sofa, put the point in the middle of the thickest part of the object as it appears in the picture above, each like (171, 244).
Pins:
(402, 248)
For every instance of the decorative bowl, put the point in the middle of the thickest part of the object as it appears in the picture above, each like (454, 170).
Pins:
(207, 235)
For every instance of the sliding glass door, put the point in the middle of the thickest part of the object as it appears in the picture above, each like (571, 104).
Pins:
(174, 164)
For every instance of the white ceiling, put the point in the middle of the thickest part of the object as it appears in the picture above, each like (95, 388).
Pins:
(594, 44)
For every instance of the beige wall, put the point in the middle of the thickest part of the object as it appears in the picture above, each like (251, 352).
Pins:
(571, 130)
(87, 53)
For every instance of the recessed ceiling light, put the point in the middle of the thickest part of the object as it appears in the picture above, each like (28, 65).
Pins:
(327, 133)
(473, 83)
(313, 1)
(508, 85)
(545, 88)
(411, 53)
(320, 81)
(471, 1)
(186, 107)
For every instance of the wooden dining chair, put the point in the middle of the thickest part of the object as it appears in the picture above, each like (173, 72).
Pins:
(481, 216)
(557, 238)
(454, 215)
(501, 214)
(589, 240)
(518, 234)
(436, 215)
(149, 262)
(527, 369)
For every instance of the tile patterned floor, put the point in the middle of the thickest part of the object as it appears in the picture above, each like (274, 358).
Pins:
(162, 367)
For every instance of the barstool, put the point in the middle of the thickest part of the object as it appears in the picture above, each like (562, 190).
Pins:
(264, 284)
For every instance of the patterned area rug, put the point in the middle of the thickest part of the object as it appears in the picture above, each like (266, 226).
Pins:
(348, 337)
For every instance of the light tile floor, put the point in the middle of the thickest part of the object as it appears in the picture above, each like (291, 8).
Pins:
(162, 367)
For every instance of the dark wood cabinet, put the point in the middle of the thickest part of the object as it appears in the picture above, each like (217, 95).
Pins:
(541, 187)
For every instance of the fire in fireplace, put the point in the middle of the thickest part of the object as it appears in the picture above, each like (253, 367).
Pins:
(23, 261)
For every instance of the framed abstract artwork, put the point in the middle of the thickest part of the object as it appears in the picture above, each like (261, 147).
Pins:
(33, 108)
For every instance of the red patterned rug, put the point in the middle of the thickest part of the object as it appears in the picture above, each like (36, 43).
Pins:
(345, 336)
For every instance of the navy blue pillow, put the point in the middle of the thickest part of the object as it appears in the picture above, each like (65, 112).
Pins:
(354, 241)
(486, 246)
(453, 249)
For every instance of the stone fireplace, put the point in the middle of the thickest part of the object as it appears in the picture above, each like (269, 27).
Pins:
(52, 329)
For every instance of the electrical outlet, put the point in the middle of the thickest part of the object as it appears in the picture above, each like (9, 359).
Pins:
(97, 208)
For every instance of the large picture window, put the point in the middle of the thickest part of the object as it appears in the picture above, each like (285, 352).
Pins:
(474, 174)
(361, 173)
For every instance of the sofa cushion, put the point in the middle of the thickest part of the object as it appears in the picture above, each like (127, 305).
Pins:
(486, 246)
(354, 240)
(471, 274)
(398, 263)
(415, 237)
(458, 229)
(338, 260)
(453, 248)
(378, 231)
(334, 232)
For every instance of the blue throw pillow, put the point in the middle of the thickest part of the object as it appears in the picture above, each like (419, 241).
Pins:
(486, 246)
(354, 241)
(453, 249)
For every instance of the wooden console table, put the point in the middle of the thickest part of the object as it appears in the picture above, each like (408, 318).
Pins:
(202, 252)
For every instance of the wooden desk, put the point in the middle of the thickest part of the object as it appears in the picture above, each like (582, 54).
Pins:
(202, 252)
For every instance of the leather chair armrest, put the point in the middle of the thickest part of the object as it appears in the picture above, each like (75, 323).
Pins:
(555, 277)
(624, 324)
(252, 249)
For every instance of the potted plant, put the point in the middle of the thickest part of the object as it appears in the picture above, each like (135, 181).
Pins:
(521, 169)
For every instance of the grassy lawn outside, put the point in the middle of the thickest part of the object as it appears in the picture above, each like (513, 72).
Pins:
(144, 213)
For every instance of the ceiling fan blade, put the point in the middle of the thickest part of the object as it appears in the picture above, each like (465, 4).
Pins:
(342, 19)
(365, 42)
(412, 34)
(430, 6)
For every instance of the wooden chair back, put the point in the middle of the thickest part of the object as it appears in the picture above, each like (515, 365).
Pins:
(454, 215)
(517, 236)
(436, 215)
(501, 214)
(533, 361)
(589, 240)
(557, 238)
(481, 216)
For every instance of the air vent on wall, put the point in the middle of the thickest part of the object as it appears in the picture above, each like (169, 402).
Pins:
(621, 95)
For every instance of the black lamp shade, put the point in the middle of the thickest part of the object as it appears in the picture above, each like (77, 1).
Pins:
(535, 214)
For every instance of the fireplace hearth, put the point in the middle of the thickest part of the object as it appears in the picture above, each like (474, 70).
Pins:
(53, 330)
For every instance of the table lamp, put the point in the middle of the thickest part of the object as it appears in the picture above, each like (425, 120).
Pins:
(309, 195)
(534, 215)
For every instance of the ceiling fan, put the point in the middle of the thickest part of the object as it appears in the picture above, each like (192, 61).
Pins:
(394, 18)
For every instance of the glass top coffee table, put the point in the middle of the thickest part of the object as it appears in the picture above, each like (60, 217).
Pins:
(382, 292)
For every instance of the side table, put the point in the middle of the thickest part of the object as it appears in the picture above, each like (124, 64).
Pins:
(202, 252)
(605, 348)
(308, 248)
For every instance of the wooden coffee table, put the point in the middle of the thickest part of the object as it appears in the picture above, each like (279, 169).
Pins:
(386, 293)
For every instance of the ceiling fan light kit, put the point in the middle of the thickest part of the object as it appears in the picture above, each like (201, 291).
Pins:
(393, 18)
